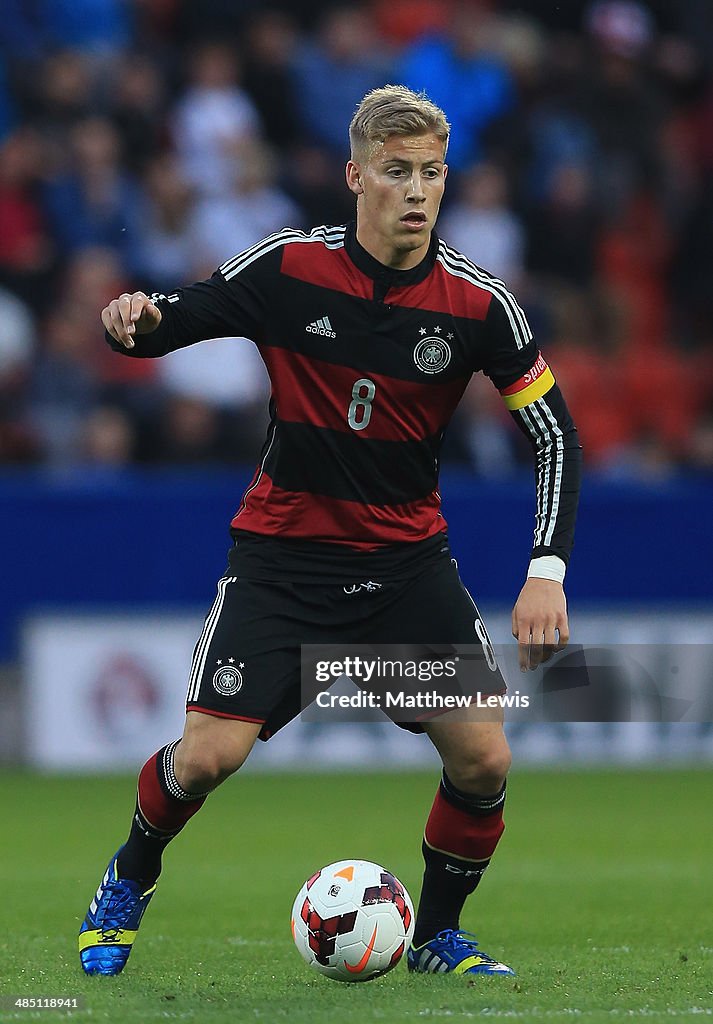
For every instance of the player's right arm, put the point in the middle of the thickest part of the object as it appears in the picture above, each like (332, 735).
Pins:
(228, 304)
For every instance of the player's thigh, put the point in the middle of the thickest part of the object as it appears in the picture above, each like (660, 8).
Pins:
(248, 654)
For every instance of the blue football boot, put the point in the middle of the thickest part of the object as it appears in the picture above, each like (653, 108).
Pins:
(109, 929)
(455, 951)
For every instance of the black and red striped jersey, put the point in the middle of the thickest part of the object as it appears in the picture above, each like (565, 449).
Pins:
(367, 365)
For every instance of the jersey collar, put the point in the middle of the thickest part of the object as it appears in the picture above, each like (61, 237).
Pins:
(370, 266)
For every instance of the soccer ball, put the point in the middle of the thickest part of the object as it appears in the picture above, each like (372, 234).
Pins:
(352, 920)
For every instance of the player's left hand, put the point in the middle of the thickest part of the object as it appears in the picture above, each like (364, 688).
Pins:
(539, 622)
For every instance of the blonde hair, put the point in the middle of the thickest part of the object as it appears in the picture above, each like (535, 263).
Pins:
(394, 110)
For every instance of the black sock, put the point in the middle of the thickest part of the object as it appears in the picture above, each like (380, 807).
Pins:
(140, 857)
(169, 807)
(464, 823)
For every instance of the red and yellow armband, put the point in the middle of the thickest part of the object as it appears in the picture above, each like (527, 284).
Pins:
(531, 386)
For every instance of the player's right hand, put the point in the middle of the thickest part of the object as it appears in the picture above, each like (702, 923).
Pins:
(130, 315)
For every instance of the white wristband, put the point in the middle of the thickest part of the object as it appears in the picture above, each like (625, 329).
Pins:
(547, 567)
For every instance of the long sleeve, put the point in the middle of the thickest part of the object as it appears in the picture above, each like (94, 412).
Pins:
(231, 303)
(535, 402)
(558, 469)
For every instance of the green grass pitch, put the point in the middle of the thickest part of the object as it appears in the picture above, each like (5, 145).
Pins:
(600, 897)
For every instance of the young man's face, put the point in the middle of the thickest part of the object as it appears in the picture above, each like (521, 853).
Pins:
(399, 190)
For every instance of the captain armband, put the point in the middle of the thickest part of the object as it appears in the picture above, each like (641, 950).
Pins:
(532, 385)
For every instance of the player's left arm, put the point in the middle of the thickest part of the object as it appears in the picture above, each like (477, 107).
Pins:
(531, 394)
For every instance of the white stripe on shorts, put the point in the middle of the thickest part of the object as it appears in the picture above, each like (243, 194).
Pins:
(194, 683)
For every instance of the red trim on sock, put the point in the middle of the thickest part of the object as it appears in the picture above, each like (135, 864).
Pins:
(468, 836)
(162, 811)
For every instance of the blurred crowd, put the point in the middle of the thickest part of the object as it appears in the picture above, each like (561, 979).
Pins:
(142, 143)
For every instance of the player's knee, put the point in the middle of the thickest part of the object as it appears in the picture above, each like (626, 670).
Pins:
(211, 749)
(481, 771)
(199, 767)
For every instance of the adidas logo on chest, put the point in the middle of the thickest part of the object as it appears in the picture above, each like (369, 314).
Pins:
(322, 327)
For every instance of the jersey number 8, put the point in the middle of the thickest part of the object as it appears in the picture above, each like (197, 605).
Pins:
(360, 406)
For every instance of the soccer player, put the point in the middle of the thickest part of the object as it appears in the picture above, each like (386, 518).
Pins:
(370, 334)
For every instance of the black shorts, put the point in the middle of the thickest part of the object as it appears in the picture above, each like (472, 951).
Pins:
(246, 664)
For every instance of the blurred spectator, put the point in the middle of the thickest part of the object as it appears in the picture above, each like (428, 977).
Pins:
(269, 80)
(213, 120)
(165, 247)
(634, 255)
(227, 374)
(481, 225)
(64, 386)
(481, 435)
(94, 202)
(187, 432)
(403, 21)
(61, 94)
(521, 42)
(27, 250)
(661, 396)
(317, 189)
(227, 377)
(137, 103)
(347, 59)
(461, 73)
(625, 401)
(621, 102)
(107, 441)
(16, 353)
(621, 27)
(584, 352)
(563, 230)
(226, 224)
